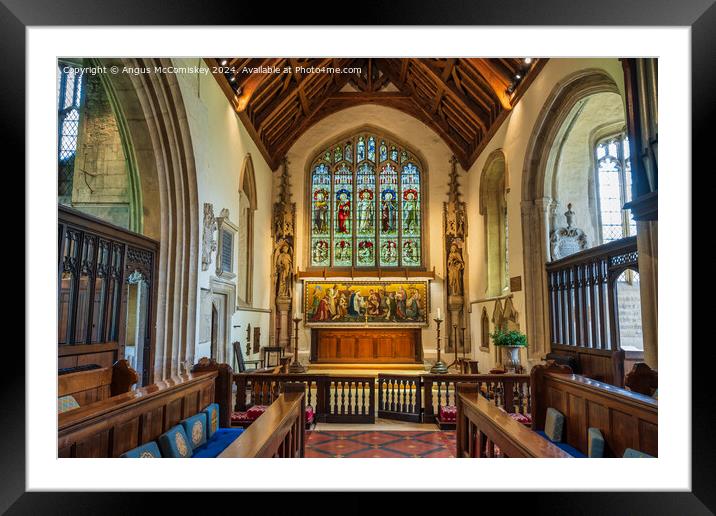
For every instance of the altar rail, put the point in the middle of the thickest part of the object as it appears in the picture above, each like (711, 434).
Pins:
(483, 430)
(352, 399)
(584, 319)
(335, 399)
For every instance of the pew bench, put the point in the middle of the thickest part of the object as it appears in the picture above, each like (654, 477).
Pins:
(142, 422)
(82, 385)
(625, 419)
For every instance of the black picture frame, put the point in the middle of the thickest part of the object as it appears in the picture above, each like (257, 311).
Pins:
(699, 15)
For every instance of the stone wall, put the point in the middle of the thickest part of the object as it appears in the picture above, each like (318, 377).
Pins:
(100, 185)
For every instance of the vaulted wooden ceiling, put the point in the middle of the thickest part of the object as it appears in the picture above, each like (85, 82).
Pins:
(463, 99)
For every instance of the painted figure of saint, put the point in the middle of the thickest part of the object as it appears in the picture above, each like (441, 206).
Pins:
(412, 310)
(388, 211)
(389, 253)
(321, 303)
(373, 304)
(320, 252)
(365, 252)
(400, 303)
(410, 210)
(365, 211)
(344, 212)
(320, 211)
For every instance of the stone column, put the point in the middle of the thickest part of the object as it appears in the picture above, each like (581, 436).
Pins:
(647, 244)
(283, 321)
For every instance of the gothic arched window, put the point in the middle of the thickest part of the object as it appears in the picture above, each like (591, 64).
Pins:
(614, 187)
(366, 204)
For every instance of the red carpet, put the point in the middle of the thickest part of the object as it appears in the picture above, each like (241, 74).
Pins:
(395, 444)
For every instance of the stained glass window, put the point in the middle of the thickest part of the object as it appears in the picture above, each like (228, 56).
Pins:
(366, 207)
(614, 188)
(69, 95)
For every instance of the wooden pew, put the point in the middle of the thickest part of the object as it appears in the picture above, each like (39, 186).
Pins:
(97, 384)
(642, 379)
(278, 433)
(604, 365)
(626, 419)
(483, 430)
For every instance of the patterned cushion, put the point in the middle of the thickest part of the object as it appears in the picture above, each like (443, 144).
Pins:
(448, 413)
(239, 417)
(254, 412)
(525, 419)
(630, 453)
(145, 451)
(309, 414)
(553, 425)
(195, 429)
(66, 403)
(221, 439)
(175, 444)
(212, 419)
(595, 443)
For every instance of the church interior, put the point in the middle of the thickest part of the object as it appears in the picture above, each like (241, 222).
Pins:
(357, 257)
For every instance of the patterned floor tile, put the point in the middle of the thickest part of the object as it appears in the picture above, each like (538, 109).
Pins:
(380, 444)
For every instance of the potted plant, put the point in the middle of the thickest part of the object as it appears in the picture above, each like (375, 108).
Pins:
(511, 341)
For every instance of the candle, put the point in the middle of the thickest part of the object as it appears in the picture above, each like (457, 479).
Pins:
(439, 314)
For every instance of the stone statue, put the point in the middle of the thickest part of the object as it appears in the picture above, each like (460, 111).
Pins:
(455, 265)
(208, 243)
(569, 215)
(283, 263)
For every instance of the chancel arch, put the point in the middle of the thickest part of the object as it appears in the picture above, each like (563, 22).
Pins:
(160, 146)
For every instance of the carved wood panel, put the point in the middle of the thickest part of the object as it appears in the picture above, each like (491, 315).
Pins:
(366, 345)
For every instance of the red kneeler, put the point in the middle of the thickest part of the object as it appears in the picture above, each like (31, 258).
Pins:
(245, 418)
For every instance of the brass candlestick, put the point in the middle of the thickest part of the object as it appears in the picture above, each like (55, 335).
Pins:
(296, 366)
(439, 367)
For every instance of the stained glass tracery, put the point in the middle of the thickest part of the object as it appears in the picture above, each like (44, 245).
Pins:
(365, 205)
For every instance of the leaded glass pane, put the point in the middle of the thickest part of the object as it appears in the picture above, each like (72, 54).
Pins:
(348, 152)
(360, 153)
(342, 204)
(410, 193)
(393, 153)
(342, 253)
(320, 252)
(615, 185)
(371, 149)
(383, 152)
(388, 216)
(338, 154)
(320, 209)
(411, 252)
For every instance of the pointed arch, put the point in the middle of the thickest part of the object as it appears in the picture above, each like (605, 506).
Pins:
(245, 247)
(537, 204)
(493, 209)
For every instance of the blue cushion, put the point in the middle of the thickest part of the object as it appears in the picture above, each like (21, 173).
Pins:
(195, 429)
(212, 419)
(630, 453)
(553, 425)
(145, 451)
(595, 443)
(221, 439)
(571, 450)
(174, 443)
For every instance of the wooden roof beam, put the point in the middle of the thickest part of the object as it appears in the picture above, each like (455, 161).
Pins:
(495, 79)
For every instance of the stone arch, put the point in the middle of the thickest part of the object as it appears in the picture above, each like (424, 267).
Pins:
(537, 205)
(494, 186)
(159, 144)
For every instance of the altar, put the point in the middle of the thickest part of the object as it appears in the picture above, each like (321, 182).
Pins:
(366, 345)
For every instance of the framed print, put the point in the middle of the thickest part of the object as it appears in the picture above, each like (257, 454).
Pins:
(408, 188)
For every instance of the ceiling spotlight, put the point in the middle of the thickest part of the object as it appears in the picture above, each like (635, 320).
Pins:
(528, 60)
(518, 77)
(232, 79)
(223, 62)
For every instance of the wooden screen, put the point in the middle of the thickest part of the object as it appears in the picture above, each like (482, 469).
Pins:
(364, 345)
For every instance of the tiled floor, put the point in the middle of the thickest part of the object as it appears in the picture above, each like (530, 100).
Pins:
(380, 444)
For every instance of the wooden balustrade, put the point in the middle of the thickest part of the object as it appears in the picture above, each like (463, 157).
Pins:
(483, 430)
(352, 399)
(335, 399)
(509, 391)
(399, 397)
(583, 311)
